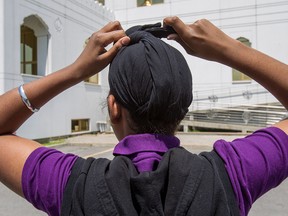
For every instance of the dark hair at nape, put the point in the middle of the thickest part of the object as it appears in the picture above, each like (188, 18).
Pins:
(155, 126)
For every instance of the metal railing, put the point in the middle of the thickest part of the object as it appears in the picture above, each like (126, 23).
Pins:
(227, 109)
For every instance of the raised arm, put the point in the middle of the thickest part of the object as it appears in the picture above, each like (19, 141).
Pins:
(15, 150)
(204, 40)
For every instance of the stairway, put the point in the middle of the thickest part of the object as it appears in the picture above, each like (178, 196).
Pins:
(245, 118)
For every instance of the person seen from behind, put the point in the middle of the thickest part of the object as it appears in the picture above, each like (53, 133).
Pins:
(150, 93)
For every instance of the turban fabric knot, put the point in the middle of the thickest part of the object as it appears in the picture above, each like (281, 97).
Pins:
(151, 79)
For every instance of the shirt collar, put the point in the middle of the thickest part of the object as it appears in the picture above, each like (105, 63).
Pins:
(145, 143)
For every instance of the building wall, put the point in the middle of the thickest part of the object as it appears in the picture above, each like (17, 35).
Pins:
(69, 24)
(2, 45)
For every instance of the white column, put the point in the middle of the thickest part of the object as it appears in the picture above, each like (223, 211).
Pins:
(9, 51)
(42, 54)
(2, 47)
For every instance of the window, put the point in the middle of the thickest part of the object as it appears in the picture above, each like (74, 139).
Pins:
(95, 78)
(28, 51)
(237, 76)
(101, 2)
(78, 125)
(141, 3)
(34, 46)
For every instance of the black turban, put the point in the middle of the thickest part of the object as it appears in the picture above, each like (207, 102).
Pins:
(151, 79)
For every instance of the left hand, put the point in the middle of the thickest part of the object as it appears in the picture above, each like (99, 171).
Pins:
(95, 57)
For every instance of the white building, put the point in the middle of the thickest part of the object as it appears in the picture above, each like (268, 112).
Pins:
(60, 28)
(39, 37)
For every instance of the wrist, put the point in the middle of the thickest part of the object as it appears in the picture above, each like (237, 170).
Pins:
(231, 53)
(82, 71)
(77, 73)
(25, 100)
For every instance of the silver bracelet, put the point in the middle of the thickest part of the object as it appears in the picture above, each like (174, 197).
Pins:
(26, 100)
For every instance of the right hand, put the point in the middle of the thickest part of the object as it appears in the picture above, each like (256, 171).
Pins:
(201, 39)
(95, 57)
(204, 40)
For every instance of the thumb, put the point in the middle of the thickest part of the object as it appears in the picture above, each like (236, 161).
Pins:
(177, 24)
(110, 54)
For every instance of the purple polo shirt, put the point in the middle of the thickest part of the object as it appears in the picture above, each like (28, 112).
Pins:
(255, 164)
(146, 150)
(45, 174)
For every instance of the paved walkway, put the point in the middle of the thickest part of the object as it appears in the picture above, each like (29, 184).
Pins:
(186, 139)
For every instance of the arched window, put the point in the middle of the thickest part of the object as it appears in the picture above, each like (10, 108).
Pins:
(34, 46)
(237, 76)
(141, 3)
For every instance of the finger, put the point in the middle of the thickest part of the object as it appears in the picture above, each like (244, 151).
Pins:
(112, 26)
(104, 39)
(110, 54)
(172, 37)
(118, 45)
(112, 37)
(176, 24)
